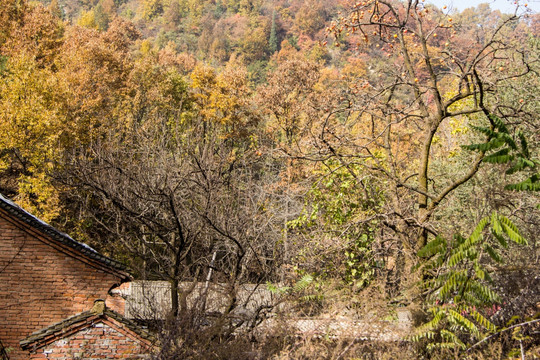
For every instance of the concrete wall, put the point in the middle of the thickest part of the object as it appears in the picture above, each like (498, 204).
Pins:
(151, 300)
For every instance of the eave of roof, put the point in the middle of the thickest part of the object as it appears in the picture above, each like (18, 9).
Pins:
(78, 322)
(58, 236)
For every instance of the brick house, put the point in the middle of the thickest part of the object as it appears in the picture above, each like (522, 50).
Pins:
(47, 277)
(99, 333)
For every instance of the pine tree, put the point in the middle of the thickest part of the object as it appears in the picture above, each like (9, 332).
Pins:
(273, 41)
(56, 9)
(101, 18)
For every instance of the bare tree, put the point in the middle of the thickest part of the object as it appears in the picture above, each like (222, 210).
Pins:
(172, 196)
(427, 74)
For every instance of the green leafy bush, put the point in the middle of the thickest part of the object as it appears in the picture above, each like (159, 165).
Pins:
(457, 284)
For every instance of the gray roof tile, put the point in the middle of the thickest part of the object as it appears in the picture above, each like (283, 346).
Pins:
(62, 238)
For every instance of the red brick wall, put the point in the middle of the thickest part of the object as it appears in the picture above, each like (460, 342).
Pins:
(99, 341)
(41, 285)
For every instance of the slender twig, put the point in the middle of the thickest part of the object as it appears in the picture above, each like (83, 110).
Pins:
(501, 331)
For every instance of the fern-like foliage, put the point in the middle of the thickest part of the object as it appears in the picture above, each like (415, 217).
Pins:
(503, 148)
(299, 290)
(457, 283)
(304, 282)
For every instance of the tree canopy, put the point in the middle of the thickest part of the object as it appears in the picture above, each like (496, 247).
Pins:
(336, 149)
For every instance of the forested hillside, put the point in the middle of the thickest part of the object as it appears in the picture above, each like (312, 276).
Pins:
(354, 157)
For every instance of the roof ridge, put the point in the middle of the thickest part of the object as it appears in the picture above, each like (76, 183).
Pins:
(61, 326)
(54, 328)
(61, 237)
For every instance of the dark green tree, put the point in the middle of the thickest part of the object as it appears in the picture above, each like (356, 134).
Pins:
(101, 17)
(273, 41)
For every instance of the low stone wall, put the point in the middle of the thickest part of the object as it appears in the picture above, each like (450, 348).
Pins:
(150, 300)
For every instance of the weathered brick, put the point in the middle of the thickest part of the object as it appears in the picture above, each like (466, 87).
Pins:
(95, 342)
(41, 285)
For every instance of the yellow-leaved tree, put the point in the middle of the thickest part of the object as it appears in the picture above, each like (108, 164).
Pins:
(31, 122)
(224, 98)
(31, 104)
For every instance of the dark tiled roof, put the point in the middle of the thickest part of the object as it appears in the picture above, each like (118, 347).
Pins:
(131, 325)
(64, 239)
(83, 320)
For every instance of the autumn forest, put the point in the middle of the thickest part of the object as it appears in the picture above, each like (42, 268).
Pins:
(354, 157)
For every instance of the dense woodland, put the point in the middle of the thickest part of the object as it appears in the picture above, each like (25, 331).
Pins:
(353, 156)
